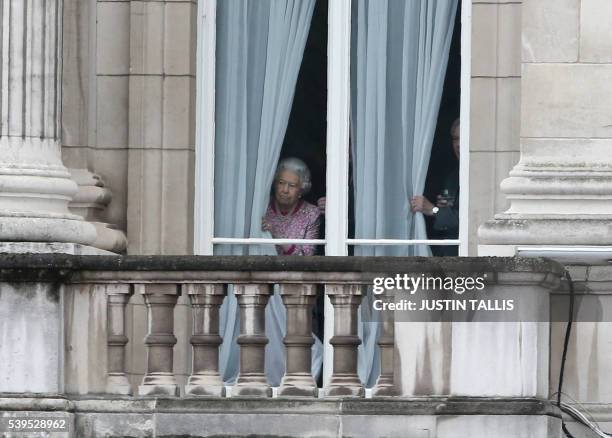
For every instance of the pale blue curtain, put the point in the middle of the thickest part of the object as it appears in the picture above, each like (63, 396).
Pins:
(399, 57)
(260, 44)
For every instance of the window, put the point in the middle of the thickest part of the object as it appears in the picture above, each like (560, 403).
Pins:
(337, 241)
(347, 111)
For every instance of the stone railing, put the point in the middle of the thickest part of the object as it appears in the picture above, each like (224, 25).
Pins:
(205, 281)
(66, 325)
(109, 282)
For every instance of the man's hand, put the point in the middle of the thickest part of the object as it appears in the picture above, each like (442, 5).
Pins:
(442, 202)
(421, 204)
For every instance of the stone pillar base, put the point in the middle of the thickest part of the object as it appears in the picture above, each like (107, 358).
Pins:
(21, 228)
(518, 230)
(254, 385)
(298, 386)
(205, 390)
(50, 248)
(165, 390)
(118, 384)
(345, 386)
(205, 384)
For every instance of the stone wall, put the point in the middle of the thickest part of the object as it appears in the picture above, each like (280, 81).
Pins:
(161, 136)
(495, 106)
(95, 86)
(129, 113)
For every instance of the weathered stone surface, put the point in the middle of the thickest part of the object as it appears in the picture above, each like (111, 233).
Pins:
(178, 117)
(90, 202)
(146, 111)
(154, 217)
(502, 427)
(484, 40)
(180, 38)
(483, 103)
(504, 163)
(566, 100)
(482, 169)
(588, 361)
(113, 38)
(427, 417)
(508, 114)
(595, 41)
(31, 330)
(509, 40)
(112, 111)
(146, 41)
(267, 267)
(85, 364)
(551, 30)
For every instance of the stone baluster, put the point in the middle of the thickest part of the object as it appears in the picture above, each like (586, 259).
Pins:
(252, 300)
(205, 302)
(385, 385)
(160, 300)
(345, 299)
(298, 380)
(117, 295)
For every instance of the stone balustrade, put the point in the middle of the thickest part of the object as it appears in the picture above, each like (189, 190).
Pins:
(97, 290)
(205, 281)
(73, 329)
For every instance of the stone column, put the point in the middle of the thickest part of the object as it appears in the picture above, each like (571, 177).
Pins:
(117, 381)
(561, 189)
(205, 302)
(35, 186)
(160, 300)
(298, 380)
(252, 299)
(344, 381)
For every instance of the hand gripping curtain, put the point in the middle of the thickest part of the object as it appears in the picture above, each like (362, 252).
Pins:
(260, 44)
(399, 57)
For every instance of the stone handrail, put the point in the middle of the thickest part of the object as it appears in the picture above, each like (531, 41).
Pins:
(204, 279)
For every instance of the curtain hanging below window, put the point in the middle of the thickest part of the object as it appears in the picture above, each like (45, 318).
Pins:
(399, 56)
(260, 44)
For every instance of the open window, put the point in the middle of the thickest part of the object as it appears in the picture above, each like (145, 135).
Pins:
(354, 89)
(358, 90)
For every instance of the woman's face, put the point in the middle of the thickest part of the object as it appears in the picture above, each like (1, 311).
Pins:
(287, 189)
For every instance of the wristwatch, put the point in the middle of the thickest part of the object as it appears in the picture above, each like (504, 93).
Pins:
(435, 210)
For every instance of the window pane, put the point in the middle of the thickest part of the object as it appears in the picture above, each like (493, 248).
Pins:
(267, 53)
(399, 56)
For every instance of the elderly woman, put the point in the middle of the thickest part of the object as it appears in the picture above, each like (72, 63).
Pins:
(288, 216)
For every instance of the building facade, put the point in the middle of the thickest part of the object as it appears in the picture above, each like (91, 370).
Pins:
(104, 116)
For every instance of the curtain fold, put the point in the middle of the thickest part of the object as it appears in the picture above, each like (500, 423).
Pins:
(399, 56)
(260, 44)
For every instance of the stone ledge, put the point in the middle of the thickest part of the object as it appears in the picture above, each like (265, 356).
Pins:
(387, 406)
(440, 417)
(276, 264)
(34, 402)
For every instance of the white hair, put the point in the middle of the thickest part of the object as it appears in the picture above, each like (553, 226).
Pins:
(298, 167)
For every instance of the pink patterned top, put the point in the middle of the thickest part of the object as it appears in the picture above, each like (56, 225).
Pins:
(302, 223)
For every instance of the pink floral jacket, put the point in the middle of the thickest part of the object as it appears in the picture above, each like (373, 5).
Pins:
(302, 223)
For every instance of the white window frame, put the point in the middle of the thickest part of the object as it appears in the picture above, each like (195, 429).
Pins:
(338, 111)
